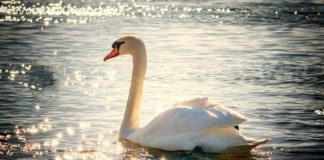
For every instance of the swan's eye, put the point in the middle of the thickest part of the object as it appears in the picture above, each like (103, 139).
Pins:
(117, 44)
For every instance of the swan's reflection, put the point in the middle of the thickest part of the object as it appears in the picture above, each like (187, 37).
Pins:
(134, 150)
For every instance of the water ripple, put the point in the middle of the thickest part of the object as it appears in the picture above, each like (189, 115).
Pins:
(53, 13)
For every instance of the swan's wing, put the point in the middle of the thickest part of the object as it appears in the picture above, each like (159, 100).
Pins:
(229, 116)
(189, 119)
(178, 126)
(183, 128)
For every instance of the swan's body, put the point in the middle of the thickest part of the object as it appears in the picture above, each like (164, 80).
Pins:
(190, 124)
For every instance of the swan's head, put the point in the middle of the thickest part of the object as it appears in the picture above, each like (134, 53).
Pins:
(126, 45)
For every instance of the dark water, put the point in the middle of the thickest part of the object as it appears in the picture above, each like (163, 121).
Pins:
(58, 100)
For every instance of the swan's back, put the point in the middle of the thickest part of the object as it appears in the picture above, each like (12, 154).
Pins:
(229, 116)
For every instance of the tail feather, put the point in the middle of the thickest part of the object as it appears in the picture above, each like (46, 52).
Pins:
(255, 142)
(246, 148)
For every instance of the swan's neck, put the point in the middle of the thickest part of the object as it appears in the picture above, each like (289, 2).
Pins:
(131, 121)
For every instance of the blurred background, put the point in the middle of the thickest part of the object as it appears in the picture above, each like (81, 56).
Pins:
(59, 100)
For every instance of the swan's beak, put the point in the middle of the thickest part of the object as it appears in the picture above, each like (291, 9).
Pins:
(112, 54)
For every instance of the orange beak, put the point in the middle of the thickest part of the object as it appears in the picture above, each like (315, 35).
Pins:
(112, 54)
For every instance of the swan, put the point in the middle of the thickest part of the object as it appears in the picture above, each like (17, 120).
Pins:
(194, 123)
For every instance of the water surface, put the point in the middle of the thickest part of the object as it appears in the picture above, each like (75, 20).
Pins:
(59, 100)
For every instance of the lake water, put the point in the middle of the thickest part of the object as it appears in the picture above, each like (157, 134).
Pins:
(59, 100)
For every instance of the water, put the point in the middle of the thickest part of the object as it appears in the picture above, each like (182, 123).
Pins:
(59, 100)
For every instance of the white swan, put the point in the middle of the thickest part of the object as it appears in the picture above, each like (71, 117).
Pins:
(190, 124)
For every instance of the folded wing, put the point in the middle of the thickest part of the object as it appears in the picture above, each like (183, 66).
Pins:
(226, 115)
